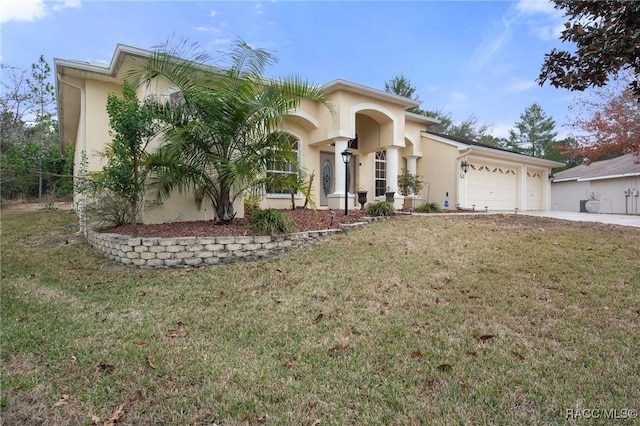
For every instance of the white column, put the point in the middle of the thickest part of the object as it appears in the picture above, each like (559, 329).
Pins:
(336, 199)
(392, 168)
(392, 175)
(340, 176)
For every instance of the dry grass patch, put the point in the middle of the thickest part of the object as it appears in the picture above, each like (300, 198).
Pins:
(471, 320)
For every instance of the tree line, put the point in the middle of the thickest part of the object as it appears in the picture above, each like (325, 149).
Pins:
(33, 163)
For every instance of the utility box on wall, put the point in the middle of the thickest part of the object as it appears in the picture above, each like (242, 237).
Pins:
(583, 206)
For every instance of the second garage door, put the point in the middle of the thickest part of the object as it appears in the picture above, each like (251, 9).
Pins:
(534, 190)
(491, 185)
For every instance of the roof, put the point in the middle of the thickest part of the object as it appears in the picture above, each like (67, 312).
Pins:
(472, 142)
(495, 150)
(622, 166)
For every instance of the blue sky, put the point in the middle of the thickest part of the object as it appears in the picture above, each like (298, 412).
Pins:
(463, 57)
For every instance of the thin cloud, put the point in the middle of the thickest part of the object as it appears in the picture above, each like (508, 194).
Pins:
(544, 20)
(31, 10)
(536, 6)
(520, 86)
(74, 4)
(22, 10)
(213, 13)
(486, 51)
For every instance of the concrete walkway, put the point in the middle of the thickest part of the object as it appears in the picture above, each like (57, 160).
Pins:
(613, 219)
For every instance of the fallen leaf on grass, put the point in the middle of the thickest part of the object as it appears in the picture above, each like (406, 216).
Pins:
(417, 353)
(338, 348)
(103, 366)
(318, 318)
(445, 367)
(151, 364)
(518, 355)
(115, 416)
(485, 337)
(64, 399)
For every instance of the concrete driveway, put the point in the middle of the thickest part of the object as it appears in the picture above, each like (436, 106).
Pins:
(613, 219)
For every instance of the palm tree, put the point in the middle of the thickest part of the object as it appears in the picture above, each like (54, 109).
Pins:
(225, 131)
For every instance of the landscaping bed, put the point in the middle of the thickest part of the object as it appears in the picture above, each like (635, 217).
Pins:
(304, 220)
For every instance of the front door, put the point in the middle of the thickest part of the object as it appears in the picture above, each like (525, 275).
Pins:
(326, 176)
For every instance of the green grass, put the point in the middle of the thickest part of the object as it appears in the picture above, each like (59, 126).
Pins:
(481, 319)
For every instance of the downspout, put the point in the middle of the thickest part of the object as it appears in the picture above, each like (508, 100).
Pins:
(457, 168)
(80, 203)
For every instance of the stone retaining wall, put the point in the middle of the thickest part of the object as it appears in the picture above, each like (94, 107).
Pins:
(201, 251)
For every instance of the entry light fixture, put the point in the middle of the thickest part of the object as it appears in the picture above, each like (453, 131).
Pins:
(346, 158)
(464, 166)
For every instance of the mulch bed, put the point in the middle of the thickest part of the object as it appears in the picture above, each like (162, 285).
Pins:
(305, 220)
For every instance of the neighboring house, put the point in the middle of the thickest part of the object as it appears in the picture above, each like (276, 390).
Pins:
(383, 137)
(615, 182)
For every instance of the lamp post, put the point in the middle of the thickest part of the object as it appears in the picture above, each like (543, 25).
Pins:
(346, 158)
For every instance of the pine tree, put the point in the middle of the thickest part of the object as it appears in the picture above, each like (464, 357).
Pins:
(534, 134)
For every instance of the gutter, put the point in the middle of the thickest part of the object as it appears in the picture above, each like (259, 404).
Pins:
(622, 175)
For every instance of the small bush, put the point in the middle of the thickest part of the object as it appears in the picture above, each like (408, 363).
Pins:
(380, 208)
(428, 208)
(251, 203)
(107, 209)
(271, 222)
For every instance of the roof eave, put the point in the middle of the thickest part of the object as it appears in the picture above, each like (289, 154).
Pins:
(340, 84)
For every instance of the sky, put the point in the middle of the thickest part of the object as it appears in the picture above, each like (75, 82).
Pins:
(464, 58)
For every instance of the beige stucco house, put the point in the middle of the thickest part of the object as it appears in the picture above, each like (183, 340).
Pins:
(383, 137)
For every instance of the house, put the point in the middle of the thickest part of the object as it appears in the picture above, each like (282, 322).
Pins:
(615, 183)
(375, 126)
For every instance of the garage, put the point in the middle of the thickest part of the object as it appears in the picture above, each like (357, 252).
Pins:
(491, 185)
(534, 190)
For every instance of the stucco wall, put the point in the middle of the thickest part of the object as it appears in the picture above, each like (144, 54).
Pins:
(566, 196)
(438, 168)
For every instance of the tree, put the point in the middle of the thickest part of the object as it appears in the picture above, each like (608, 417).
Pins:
(13, 104)
(224, 131)
(608, 122)
(607, 39)
(132, 127)
(42, 92)
(401, 86)
(534, 134)
(467, 129)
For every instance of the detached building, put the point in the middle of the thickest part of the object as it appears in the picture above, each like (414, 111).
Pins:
(614, 183)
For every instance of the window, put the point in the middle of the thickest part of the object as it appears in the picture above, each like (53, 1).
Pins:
(284, 169)
(176, 99)
(381, 173)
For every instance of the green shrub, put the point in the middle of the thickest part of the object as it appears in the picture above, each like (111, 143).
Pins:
(428, 208)
(106, 209)
(380, 208)
(251, 203)
(271, 222)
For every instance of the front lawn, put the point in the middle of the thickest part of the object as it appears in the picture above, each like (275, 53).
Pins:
(483, 319)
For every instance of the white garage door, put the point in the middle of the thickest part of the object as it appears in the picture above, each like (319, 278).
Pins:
(491, 185)
(534, 190)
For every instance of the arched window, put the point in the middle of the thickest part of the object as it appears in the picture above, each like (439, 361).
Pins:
(284, 169)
